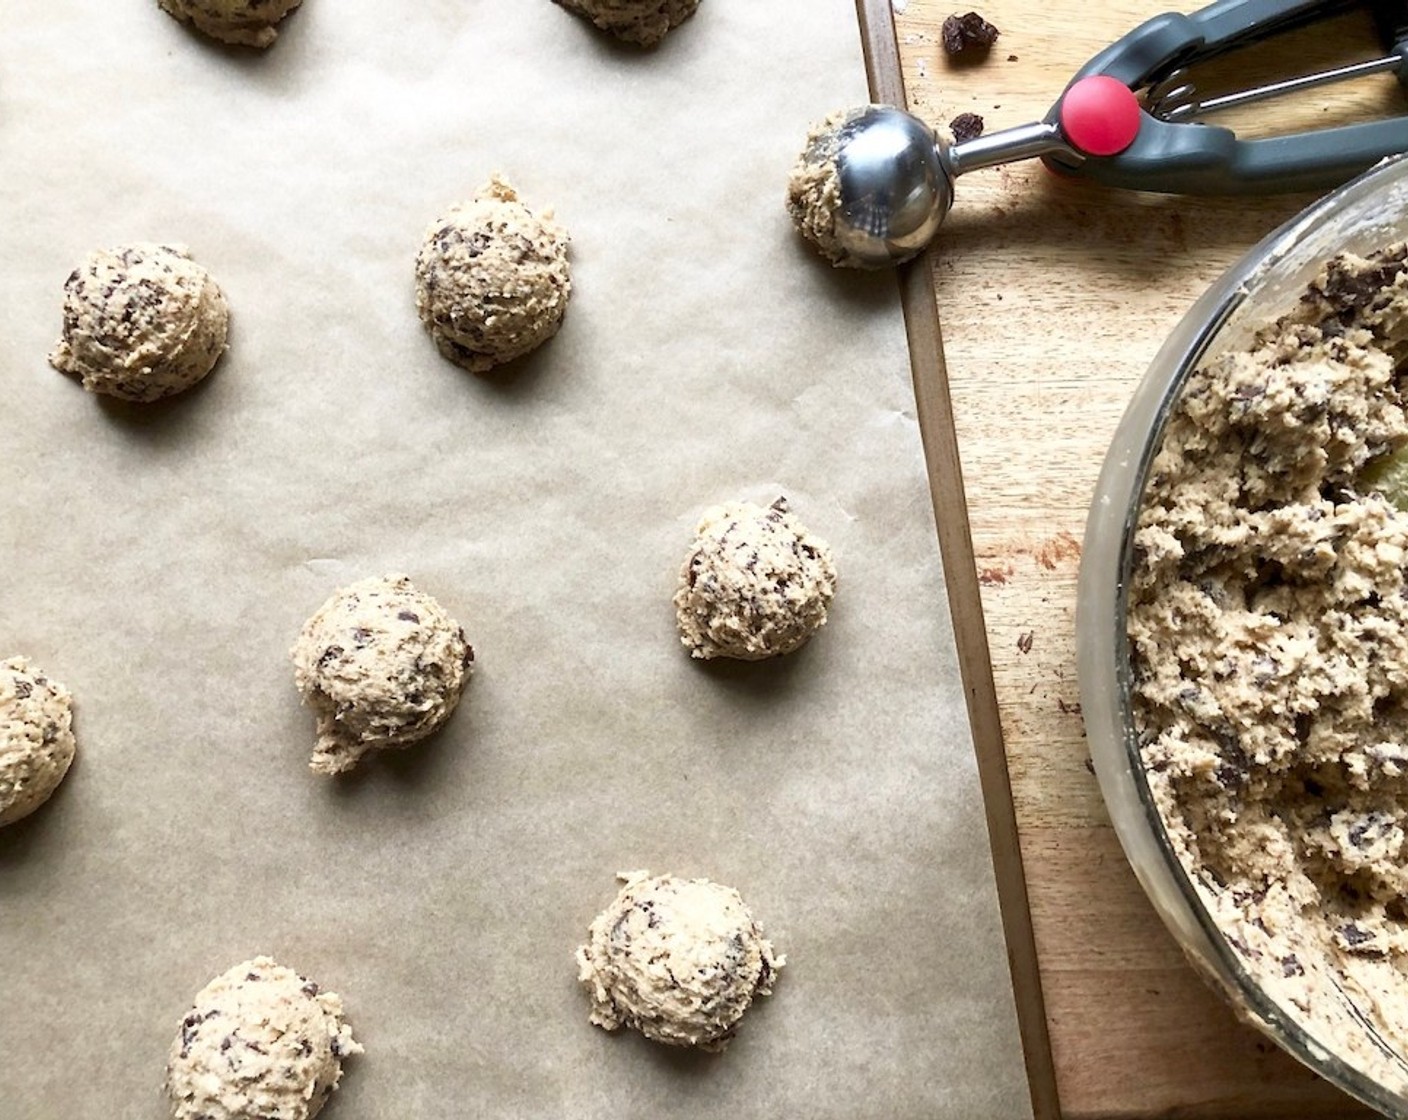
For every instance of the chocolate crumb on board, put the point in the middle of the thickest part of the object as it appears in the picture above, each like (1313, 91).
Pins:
(966, 126)
(968, 34)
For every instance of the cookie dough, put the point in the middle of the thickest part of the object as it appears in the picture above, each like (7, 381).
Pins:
(383, 665)
(246, 23)
(643, 22)
(492, 281)
(814, 189)
(141, 322)
(1268, 629)
(260, 1041)
(36, 738)
(755, 584)
(680, 960)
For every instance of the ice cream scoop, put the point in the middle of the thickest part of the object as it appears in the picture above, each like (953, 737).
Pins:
(879, 180)
(896, 173)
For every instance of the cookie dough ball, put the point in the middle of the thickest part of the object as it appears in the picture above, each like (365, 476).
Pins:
(492, 281)
(383, 665)
(246, 23)
(643, 22)
(36, 738)
(814, 189)
(261, 1041)
(141, 322)
(756, 583)
(680, 960)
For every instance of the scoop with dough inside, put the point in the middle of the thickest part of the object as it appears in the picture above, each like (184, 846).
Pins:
(814, 189)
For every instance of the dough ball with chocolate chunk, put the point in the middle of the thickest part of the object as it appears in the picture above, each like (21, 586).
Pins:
(643, 22)
(141, 322)
(36, 738)
(246, 23)
(492, 281)
(679, 960)
(383, 665)
(756, 583)
(261, 1040)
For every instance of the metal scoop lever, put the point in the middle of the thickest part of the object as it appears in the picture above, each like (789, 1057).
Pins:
(1188, 157)
(1176, 98)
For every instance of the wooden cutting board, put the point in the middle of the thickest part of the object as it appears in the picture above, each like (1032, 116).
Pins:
(1053, 296)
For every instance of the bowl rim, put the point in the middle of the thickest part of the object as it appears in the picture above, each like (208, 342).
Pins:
(1104, 669)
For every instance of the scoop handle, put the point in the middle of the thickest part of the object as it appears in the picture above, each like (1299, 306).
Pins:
(1209, 160)
(1189, 158)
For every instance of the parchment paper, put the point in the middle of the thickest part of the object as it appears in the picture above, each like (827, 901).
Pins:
(160, 561)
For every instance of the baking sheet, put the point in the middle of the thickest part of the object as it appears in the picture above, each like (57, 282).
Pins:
(160, 561)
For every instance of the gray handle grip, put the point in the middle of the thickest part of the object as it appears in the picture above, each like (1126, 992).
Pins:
(1202, 159)
(1208, 159)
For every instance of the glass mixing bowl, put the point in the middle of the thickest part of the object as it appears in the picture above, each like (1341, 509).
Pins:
(1366, 214)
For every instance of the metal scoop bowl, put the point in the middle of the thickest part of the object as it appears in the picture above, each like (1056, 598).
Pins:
(896, 173)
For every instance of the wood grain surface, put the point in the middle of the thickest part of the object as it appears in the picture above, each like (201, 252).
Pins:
(1053, 296)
